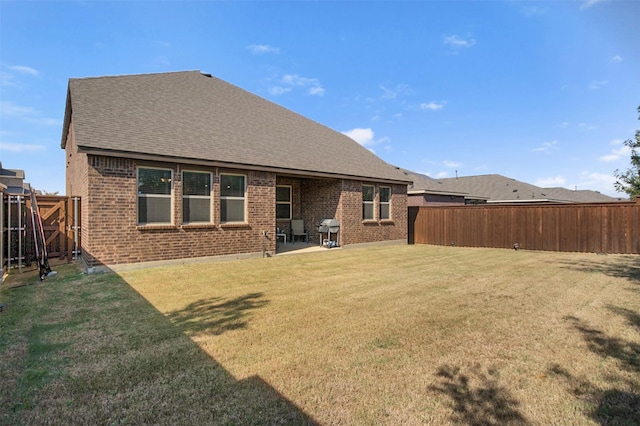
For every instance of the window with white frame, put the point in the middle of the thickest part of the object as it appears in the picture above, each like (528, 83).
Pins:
(232, 198)
(283, 202)
(154, 195)
(385, 203)
(196, 197)
(368, 197)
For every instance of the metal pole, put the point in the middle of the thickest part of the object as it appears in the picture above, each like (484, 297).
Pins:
(19, 200)
(1, 235)
(75, 228)
(9, 253)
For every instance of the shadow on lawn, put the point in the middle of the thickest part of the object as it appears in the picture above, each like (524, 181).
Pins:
(626, 354)
(215, 315)
(477, 398)
(621, 267)
(121, 361)
(620, 404)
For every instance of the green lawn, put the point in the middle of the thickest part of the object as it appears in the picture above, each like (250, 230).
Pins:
(381, 335)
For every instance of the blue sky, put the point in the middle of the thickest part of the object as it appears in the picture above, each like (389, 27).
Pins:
(543, 92)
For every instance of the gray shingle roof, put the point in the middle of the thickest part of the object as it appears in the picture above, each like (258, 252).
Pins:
(496, 188)
(192, 116)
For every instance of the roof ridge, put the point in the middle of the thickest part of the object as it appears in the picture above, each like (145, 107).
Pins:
(138, 75)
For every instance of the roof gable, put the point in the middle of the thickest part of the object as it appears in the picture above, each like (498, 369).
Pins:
(192, 116)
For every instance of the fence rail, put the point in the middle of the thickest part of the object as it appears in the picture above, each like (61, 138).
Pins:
(595, 228)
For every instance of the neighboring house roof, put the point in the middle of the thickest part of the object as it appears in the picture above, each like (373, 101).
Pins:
(12, 181)
(193, 117)
(497, 188)
(426, 184)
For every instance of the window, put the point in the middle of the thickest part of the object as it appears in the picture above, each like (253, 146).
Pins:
(385, 203)
(154, 196)
(283, 202)
(368, 195)
(196, 197)
(232, 198)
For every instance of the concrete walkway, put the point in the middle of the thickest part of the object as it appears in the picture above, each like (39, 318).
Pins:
(300, 247)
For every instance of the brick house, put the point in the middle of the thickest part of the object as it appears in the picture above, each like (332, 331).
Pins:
(184, 165)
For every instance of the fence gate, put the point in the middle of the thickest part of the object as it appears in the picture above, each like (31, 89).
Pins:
(53, 211)
(60, 222)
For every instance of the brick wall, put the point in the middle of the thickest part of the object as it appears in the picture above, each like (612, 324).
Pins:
(342, 199)
(320, 199)
(354, 230)
(116, 237)
(77, 177)
(111, 234)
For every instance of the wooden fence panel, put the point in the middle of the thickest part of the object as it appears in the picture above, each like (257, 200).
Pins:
(595, 228)
(58, 224)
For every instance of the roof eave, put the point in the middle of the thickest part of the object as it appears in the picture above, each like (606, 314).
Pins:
(222, 164)
(529, 201)
(67, 120)
(427, 191)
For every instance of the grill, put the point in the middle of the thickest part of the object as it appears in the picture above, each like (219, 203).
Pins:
(328, 227)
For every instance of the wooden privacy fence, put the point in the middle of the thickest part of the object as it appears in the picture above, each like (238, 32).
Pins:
(594, 228)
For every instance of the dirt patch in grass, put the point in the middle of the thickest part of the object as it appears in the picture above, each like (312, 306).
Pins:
(382, 335)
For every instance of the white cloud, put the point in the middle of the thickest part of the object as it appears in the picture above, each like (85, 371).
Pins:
(388, 93)
(296, 80)
(432, 106)
(597, 85)
(616, 153)
(547, 146)
(13, 110)
(363, 136)
(550, 182)
(617, 59)
(259, 49)
(6, 79)
(601, 182)
(316, 90)
(532, 11)
(291, 81)
(161, 61)
(279, 90)
(456, 42)
(393, 93)
(451, 164)
(442, 175)
(44, 121)
(28, 114)
(588, 3)
(24, 70)
(18, 147)
(586, 127)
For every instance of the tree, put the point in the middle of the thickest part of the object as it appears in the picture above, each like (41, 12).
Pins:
(629, 181)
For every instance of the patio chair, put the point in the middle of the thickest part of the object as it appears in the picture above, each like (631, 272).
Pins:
(297, 230)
